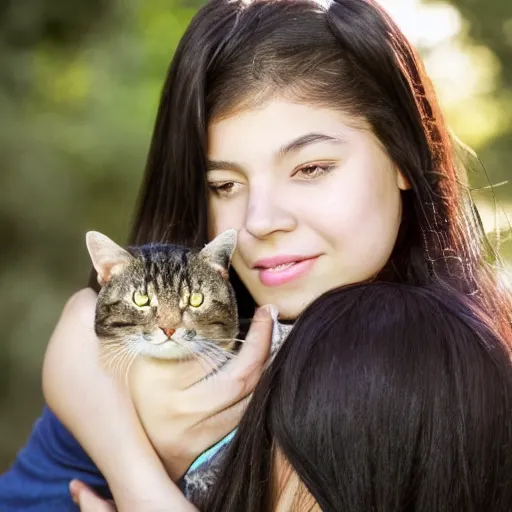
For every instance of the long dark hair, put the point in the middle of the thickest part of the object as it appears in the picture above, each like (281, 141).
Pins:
(385, 397)
(343, 54)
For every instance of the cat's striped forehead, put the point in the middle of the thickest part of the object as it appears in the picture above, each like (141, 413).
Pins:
(166, 266)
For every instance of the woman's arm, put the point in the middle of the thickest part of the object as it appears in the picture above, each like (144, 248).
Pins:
(182, 416)
(100, 413)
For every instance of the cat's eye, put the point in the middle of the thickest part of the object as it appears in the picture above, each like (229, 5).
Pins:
(140, 299)
(196, 299)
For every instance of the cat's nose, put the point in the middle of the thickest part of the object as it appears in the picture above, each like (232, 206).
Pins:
(168, 332)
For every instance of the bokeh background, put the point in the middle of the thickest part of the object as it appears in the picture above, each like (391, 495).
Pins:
(79, 87)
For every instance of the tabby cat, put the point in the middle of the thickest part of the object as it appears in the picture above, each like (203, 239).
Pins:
(172, 303)
(163, 300)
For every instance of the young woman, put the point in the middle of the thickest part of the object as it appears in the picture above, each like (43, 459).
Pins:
(311, 128)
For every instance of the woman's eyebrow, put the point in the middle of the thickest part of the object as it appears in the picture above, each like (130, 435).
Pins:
(307, 140)
(215, 165)
(291, 147)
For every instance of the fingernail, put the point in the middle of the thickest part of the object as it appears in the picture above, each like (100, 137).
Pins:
(273, 311)
(261, 313)
(74, 490)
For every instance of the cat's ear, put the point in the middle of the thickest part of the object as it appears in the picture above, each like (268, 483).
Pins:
(219, 251)
(107, 257)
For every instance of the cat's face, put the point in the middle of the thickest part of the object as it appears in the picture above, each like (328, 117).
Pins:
(164, 301)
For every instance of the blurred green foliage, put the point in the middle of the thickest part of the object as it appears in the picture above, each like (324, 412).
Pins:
(489, 25)
(79, 86)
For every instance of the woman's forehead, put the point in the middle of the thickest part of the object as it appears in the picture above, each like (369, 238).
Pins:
(277, 127)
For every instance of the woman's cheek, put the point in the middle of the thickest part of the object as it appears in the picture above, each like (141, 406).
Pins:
(370, 229)
(360, 222)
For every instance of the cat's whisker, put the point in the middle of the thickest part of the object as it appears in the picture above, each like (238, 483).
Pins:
(121, 358)
(112, 346)
(214, 351)
(108, 357)
(111, 353)
(133, 353)
(212, 345)
(226, 352)
(222, 358)
(214, 362)
(200, 358)
(227, 339)
(117, 363)
(212, 355)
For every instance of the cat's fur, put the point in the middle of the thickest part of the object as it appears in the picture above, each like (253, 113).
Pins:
(169, 327)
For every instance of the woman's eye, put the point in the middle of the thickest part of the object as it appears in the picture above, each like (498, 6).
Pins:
(314, 171)
(223, 189)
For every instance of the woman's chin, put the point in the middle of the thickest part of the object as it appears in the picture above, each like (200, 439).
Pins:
(291, 303)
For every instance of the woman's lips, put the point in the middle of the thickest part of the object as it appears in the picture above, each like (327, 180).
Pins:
(284, 271)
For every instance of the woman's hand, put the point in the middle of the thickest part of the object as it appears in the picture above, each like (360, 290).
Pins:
(88, 501)
(184, 415)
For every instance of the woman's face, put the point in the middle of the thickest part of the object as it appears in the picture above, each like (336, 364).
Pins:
(315, 200)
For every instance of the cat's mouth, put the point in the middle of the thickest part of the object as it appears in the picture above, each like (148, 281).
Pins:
(164, 348)
(164, 344)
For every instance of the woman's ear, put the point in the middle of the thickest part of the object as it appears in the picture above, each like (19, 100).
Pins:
(402, 182)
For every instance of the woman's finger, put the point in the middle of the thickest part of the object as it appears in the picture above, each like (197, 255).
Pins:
(256, 348)
(87, 500)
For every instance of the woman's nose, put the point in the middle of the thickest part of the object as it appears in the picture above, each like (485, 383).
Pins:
(268, 213)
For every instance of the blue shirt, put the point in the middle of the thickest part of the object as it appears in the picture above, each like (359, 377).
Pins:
(39, 479)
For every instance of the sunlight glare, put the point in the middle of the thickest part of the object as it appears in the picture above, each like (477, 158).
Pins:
(425, 25)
